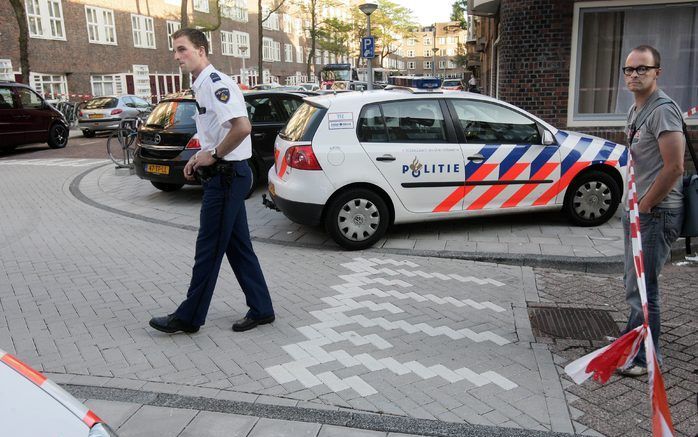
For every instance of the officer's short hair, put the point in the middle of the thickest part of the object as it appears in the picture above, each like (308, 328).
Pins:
(197, 37)
(648, 48)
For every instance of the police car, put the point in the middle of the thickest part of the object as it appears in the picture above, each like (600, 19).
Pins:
(359, 162)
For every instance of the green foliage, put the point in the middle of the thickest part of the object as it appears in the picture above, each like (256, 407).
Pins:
(459, 10)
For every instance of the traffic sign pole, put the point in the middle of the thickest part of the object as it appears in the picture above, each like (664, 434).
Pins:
(369, 61)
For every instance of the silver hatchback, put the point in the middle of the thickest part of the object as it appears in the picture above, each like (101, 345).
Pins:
(105, 113)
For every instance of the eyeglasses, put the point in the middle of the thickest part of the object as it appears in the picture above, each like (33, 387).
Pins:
(641, 70)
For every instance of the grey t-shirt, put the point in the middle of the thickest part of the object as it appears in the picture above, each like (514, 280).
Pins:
(645, 148)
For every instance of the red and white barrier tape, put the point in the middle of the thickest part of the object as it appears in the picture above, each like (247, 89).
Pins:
(691, 112)
(601, 363)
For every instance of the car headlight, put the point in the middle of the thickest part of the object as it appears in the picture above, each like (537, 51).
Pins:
(102, 430)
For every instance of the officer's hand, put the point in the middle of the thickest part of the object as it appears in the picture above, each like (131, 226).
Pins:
(189, 169)
(203, 159)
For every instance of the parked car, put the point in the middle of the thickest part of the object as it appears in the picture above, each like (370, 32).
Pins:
(105, 113)
(32, 405)
(25, 118)
(359, 162)
(310, 86)
(265, 86)
(453, 84)
(166, 141)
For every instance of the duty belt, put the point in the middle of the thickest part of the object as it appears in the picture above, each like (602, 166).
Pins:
(225, 168)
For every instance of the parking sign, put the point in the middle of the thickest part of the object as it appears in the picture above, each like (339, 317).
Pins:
(368, 46)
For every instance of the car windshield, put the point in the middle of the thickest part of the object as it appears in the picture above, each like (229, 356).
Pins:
(302, 125)
(168, 114)
(102, 103)
(336, 75)
(451, 83)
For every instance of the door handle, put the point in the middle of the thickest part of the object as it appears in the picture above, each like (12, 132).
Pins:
(386, 158)
(477, 157)
(259, 135)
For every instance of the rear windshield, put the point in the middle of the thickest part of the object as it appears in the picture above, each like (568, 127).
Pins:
(168, 114)
(303, 123)
(451, 83)
(102, 103)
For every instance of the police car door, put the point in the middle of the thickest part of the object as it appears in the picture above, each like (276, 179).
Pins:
(414, 147)
(506, 164)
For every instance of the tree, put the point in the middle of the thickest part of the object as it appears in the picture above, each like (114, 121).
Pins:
(459, 10)
(390, 24)
(312, 10)
(261, 19)
(334, 35)
(18, 6)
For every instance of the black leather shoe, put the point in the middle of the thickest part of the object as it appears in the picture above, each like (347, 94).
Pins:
(171, 324)
(247, 323)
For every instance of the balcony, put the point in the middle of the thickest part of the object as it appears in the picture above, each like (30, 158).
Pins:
(483, 8)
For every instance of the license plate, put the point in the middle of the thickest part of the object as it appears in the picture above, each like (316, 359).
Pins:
(96, 115)
(157, 169)
(272, 190)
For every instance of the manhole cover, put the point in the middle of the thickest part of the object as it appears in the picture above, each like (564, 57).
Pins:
(572, 323)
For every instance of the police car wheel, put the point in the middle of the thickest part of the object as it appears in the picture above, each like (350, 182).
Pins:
(592, 198)
(357, 219)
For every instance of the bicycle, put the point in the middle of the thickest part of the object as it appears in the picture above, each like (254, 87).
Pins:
(69, 111)
(121, 145)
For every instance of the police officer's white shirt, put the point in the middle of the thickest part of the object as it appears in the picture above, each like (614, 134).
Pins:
(223, 100)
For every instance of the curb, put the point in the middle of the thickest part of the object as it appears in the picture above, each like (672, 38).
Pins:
(611, 264)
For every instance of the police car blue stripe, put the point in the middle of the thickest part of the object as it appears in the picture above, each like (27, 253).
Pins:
(561, 136)
(472, 166)
(623, 161)
(542, 158)
(512, 158)
(574, 155)
(604, 152)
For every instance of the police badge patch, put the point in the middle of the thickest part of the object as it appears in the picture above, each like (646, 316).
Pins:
(223, 94)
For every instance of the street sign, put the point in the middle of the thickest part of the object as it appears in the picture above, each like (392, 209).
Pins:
(368, 47)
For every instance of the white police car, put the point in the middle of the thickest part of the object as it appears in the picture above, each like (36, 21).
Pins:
(359, 161)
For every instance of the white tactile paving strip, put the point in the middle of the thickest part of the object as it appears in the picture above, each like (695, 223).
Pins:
(52, 162)
(312, 352)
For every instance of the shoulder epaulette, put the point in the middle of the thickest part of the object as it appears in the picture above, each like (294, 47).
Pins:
(215, 77)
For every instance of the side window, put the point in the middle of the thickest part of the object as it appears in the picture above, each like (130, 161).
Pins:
(29, 99)
(262, 110)
(371, 126)
(6, 99)
(140, 103)
(415, 121)
(128, 101)
(290, 105)
(484, 122)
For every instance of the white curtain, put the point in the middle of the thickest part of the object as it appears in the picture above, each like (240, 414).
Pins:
(673, 30)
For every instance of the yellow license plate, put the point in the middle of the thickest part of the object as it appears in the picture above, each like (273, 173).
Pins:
(157, 169)
(96, 115)
(272, 190)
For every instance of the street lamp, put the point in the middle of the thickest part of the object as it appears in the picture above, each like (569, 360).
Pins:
(433, 63)
(368, 8)
(243, 50)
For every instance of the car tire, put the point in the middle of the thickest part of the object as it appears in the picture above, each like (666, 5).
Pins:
(592, 198)
(167, 187)
(357, 219)
(255, 177)
(58, 136)
(88, 133)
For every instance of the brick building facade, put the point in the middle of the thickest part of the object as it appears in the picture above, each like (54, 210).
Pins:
(561, 59)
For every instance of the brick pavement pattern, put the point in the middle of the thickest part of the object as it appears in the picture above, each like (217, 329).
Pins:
(78, 285)
(621, 406)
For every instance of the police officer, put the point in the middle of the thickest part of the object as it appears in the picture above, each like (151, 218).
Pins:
(224, 134)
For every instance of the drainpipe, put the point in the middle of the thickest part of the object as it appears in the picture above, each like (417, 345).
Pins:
(494, 67)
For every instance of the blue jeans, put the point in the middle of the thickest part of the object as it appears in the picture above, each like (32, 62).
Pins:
(658, 230)
(223, 230)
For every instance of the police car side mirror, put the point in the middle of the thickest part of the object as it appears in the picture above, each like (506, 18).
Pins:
(548, 138)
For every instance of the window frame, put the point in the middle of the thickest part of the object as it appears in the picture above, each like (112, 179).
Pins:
(144, 34)
(100, 26)
(37, 81)
(267, 49)
(600, 120)
(6, 71)
(198, 5)
(117, 80)
(44, 20)
(174, 26)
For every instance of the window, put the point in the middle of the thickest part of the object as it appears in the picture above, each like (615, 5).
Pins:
(411, 42)
(427, 41)
(604, 38)
(235, 10)
(29, 99)
(143, 31)
(6, 100)
(451, 64)
(325, 57)
(299, 26)
(428, 53)
(242, 44)
(6, 70)
(442, 40)
(107, 84)
(267, 49)
(411, 65)
(414, 121)
(100, 25)
(271, 23)
(299, 55)
(209, 38)
(290, 105)
(201, 5)
(51, 86)
(288, 53)
(371, 126)
(453, 40)
(45, 19)
(288, 24)
(262, 110)
(442, 64)
(318, 56)
(277, 51)
(427, 65)
(303, 124)
(172, 27)
(484, 122)
(451, 52)
(410, 53)
(227, 43)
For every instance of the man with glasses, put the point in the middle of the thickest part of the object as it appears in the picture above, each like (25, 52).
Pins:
(656, 142)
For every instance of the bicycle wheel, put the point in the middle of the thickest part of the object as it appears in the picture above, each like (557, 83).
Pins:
(117, 152)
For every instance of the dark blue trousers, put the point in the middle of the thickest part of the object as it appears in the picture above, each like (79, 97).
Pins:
(223, 230)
